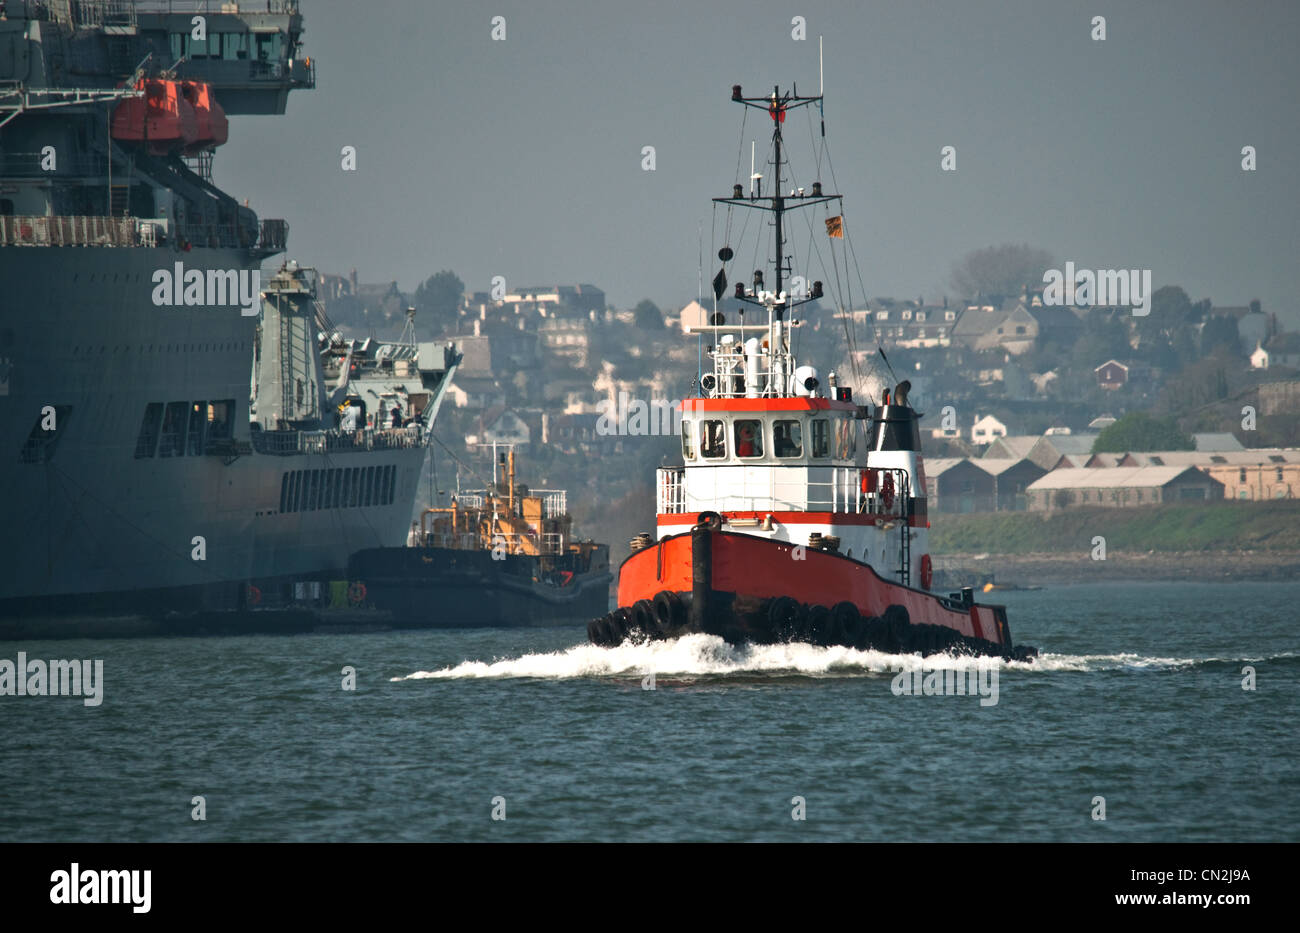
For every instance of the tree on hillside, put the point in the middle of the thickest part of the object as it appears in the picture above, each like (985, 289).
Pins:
(1000, 270)
(647, 315)
(1167, 336)
(440, 296)
(1138, 431)
(1201, 384)
(1104, 337)
(1220, 331)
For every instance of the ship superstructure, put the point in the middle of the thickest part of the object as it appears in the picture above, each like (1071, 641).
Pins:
(502, 555)
(168, 430)
(798, 511)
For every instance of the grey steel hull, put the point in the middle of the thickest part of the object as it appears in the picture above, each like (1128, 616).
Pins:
(93, 526)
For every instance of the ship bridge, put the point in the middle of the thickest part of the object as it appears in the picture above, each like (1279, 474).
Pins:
(250, 54)
(764, 455)
(101, 149)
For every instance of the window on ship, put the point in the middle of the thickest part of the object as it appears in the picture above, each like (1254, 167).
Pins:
(50, 424)
(147, 442)
(749, 438)
(688, 441)
(173, 430)
(713, 443)
(821, 438)
(198, 418)
(845, 440)
(220, 426)
(268, 47)
(787, 439)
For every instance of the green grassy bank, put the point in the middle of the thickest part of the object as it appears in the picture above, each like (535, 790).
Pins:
(1224, 526)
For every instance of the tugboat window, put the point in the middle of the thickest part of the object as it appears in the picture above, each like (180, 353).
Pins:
(821, 438)
(713, 442)
(749, 438)
(845, 442)
(787, 439)
(688, 441)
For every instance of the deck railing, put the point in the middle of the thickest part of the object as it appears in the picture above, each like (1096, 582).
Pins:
(842, 493)
(670, 498)
(86, 230)
(33, 230)
(289, 443)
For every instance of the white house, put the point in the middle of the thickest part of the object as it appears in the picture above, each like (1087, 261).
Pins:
(693, 315)
(1259, 359)
(502, 426)
(986, 429)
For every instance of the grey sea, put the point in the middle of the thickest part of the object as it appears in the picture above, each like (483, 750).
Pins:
(1138, 704)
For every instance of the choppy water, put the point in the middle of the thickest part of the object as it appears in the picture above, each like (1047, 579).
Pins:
(1138, 698)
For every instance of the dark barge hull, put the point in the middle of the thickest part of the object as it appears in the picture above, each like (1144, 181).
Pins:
(430, 587)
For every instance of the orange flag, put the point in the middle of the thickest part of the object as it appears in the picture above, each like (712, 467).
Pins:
(835, 226)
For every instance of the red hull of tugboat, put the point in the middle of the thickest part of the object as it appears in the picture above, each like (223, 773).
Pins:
(756, 590)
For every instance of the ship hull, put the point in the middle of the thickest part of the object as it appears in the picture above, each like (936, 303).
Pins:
(431, 587)
(748, 589)
(93, 528)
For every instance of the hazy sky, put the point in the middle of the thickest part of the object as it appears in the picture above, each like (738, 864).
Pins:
(522, 157)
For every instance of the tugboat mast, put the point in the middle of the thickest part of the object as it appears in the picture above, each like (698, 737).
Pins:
(776, 302)
(777, 106)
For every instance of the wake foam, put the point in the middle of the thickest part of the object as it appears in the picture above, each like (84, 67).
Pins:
(710, 656)
(1136, 662)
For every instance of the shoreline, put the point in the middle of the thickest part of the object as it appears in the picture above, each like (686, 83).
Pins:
(1057, 568)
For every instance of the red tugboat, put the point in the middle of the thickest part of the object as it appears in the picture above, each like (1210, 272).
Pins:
(797, 514)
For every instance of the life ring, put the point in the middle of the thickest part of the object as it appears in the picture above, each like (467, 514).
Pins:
(887, 491)
(357, 593)
(254, 595)
(927, 571)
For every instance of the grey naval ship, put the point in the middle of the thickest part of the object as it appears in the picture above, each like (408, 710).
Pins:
(184, 445)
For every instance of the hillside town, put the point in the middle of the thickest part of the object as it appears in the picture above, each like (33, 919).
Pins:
(1015, 394)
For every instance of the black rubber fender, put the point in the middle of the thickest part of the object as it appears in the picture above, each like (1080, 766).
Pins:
(643, 617)
(669, 613)
(785, 615)
(845, 623)
(817, 625)
(620, 624)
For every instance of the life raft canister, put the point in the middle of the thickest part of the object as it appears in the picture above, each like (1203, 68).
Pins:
(887, 490)
(927, 571)
(357, 593)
